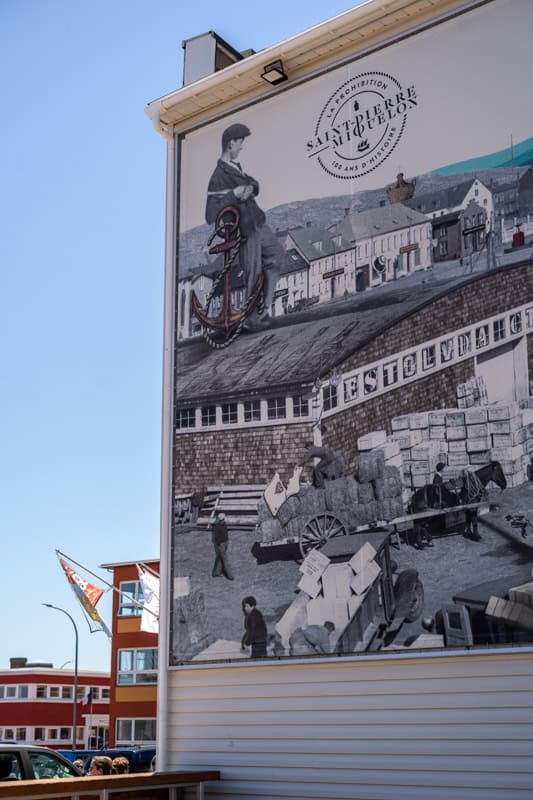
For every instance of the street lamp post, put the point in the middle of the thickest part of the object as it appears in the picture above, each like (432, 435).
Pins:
(75, 698)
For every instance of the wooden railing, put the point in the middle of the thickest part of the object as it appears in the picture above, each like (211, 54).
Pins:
(136, 786)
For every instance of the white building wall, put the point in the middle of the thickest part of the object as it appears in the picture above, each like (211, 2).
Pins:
(413, 728)
(479, 193)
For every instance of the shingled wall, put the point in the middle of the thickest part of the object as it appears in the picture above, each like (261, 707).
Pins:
(439, 390)
(490, 295)
(238, 456)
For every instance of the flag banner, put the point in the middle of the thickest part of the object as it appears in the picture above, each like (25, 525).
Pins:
(88, 595)
(87, 698)
(93, 593)
(150, 612)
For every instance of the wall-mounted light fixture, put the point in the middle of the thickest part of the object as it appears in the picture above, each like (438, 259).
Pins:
(274, 73)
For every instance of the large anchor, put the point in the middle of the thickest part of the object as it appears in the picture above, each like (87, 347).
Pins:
(230, 321)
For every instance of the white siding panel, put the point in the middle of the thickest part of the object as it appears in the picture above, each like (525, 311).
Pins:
(445, 727)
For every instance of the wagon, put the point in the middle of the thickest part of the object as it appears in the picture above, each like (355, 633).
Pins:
(389, 602)
(322, 527)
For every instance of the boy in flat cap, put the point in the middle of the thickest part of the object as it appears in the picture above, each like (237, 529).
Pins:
(260, 251)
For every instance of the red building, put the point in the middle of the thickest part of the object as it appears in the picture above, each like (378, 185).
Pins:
(36, 705)
(133, 705)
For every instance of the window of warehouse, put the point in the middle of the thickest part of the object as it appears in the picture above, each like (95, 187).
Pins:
(135, 731)
(137, 666)
(276, 408)
(131, 594)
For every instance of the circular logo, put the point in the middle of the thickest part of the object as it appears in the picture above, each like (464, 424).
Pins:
(361, 124)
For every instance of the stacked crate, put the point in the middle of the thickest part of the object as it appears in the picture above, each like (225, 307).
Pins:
(510, 439)
(527, 421)
(462, 439)
(378, 440)
(472, 393)
(329, 591)
(421, 446)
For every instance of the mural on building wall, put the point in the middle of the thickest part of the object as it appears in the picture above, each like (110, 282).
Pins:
(353, 412)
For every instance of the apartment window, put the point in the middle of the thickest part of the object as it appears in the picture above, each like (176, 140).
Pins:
(104, 694)
(11, 691)
(137, 666)
(124, 730)
(53, 691)
(64, 734)
(9, 734)
(329, 397)
(41, 691)
(186, 418)
(498, 327)
(81, 691)
(21, 734)
(66, 692)
(417, 257)
(130, 591)
(2, 692)
(135, 731)
(23, 692)
(39, 734)
(95, 693)
(300, 406)
(276, 408)
(52, 734)
(209, 415)
(252, 410)
(229, 413)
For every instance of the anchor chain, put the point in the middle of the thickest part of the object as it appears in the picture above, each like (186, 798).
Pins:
(224, 231)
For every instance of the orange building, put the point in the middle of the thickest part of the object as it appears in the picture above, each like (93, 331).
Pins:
(36, 705)
(133, 701)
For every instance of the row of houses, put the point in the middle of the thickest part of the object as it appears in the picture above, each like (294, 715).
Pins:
(372, 247)
(362, 251)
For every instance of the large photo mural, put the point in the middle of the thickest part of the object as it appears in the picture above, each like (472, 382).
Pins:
(353, 450)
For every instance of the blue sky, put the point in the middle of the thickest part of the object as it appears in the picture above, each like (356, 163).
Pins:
(81, 253)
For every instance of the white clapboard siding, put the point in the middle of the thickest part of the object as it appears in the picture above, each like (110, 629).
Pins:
(419, 728)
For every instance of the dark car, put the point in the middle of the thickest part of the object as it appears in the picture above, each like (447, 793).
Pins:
(140, 758)
(20, 762)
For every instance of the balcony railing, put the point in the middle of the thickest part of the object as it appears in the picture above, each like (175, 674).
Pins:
(148, 785)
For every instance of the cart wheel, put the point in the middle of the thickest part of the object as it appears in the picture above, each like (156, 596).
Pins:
(319, 530)
(417, 602)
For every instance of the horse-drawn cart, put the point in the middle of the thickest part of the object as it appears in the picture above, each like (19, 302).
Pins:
(413, 528)
(312, 517)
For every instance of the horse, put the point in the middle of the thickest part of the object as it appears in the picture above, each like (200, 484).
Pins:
(470, 489)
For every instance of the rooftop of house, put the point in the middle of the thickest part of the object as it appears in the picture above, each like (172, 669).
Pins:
(376, 221)
(444, 198)
(316, 242)
(297, 348)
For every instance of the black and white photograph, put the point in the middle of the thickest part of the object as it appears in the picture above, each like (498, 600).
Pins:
(353, 449)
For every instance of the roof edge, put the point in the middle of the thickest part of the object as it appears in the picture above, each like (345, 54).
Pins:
(245, 74)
